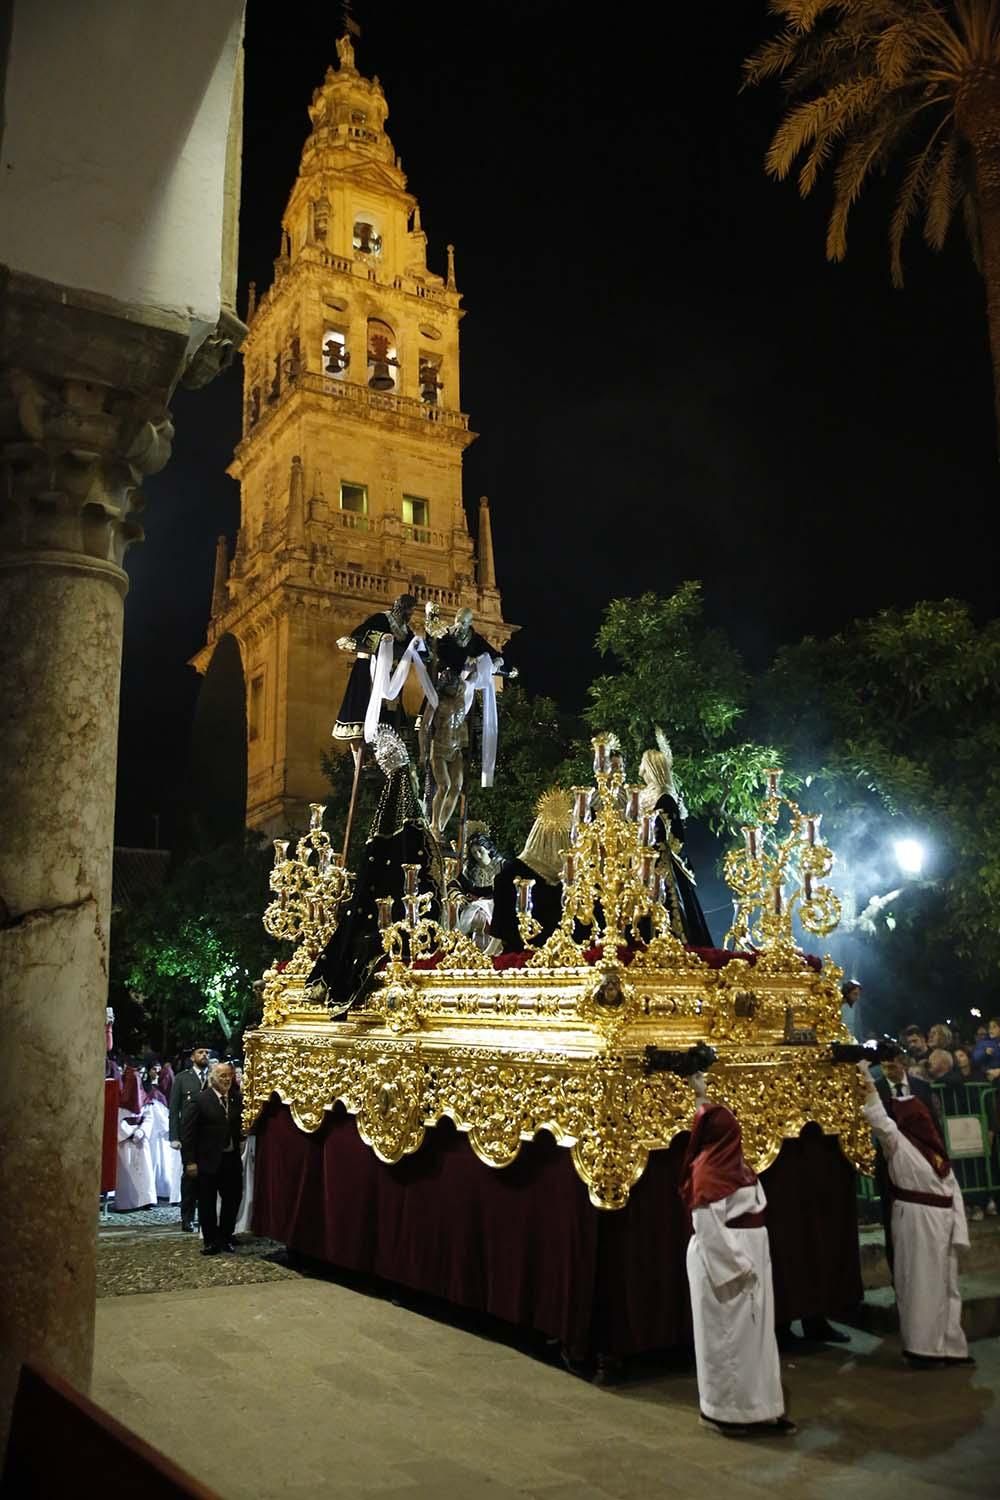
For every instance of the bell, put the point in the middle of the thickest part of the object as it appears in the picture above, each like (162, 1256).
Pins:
(381, 379)
(429, 393)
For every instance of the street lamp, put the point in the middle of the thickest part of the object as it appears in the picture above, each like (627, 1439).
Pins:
(909, 856)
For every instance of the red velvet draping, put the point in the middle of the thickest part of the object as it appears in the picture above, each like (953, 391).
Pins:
(109, 1136)
(524, 1244)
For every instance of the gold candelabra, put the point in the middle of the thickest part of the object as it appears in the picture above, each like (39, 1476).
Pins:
(611, 875)
(309, 888)
(778, 874)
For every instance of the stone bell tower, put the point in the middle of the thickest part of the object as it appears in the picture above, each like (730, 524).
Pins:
(350, 466)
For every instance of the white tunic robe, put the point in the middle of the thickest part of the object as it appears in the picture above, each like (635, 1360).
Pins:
(924, 1243)
(732, 1307)
(135, 1182)
(166, 1161)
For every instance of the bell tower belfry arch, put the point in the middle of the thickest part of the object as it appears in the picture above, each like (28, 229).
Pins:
(350, 465)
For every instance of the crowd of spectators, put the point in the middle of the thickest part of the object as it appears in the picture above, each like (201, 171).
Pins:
(944, 1057)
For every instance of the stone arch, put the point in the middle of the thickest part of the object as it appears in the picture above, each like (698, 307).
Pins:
(217, 768)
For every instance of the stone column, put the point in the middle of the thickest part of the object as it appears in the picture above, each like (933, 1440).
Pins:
(83, 416)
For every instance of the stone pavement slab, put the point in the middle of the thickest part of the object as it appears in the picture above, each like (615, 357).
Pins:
(283, 1390)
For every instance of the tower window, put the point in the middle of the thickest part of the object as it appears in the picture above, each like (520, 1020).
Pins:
(382, 359)
(354, 497)
(430, 382)
(416, 512)
(367, 240)
(358, 117)
(255, 708)
(335, 355)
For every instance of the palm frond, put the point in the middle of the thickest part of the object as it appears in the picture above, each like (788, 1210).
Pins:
(894, 53)
(772, 59)
(865, 76)
(944, 188)
(831, 114)
(907, 203)
(803, 14)
(857, 161)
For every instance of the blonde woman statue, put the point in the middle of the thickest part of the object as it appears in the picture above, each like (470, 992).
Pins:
(660, 795)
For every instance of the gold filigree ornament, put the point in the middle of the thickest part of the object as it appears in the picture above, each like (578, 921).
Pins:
(778, 872)
(309, 888)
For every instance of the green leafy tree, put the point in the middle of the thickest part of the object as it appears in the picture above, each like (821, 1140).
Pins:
(191, 953)
(674, 671)
(895, 726)
(873, 83)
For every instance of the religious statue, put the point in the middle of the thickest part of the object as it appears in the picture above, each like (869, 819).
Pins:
(444, 737)
(660, 795)
(481, 863)
(385, 649)
(398, 835)
(465, 651)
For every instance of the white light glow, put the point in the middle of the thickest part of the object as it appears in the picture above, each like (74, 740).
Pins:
(909, 856)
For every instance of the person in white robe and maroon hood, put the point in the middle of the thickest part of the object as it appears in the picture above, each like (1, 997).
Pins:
(928, 1227)
(729, 1275)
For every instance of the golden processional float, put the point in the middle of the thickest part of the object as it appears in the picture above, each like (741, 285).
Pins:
(587, 1040)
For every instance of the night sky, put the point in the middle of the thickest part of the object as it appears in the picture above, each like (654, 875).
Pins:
(669, 380)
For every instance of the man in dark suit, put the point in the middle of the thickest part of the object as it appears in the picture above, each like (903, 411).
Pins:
(187, 1083)
(211, 1132)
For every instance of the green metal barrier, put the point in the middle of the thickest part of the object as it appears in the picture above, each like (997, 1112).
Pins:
(969, 1112)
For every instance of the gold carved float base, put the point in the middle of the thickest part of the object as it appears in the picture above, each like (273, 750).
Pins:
(506, 1055)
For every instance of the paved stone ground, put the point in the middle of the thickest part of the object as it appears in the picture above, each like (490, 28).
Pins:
(293, 1387)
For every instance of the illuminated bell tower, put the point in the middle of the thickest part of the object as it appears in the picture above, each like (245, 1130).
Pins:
(350, 466)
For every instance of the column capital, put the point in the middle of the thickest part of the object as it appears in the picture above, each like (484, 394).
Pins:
(85, 386)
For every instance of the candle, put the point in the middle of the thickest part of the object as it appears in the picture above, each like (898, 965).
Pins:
(524, 894)
(778, 899)
(647, 829)
(384, 904)
(450, 872)
(280, 850)
(632, 803)
(451, 909)
(752, 838)
(569, 868)
(773, 781)
(316, 811)
(581, 802)
(810, 828)
(410, 873)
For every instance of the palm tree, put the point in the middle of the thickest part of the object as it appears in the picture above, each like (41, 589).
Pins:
(873, 81)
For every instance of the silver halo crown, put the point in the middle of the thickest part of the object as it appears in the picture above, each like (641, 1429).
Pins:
(390, 751)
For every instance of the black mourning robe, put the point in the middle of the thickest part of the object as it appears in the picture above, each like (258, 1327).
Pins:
(686, 916)
(350, 723)
(398, 836)
(546, 905)
(453, 655)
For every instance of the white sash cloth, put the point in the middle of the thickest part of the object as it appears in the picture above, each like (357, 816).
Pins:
(479, 679)
(388, 684)
(246, 1206)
